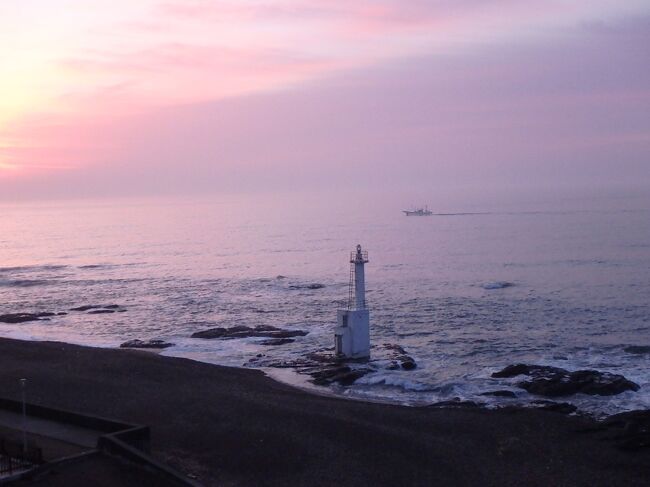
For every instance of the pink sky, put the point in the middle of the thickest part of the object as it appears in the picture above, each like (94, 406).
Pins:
(181, 96)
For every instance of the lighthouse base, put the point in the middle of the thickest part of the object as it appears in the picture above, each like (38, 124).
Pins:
(352, 335)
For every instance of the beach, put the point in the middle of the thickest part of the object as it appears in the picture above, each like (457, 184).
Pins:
(232, 426)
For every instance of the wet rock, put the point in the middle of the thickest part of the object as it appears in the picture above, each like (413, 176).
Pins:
(265, 331)
(343, 375)
(456, 403)
(638, 349)
(24, 317)
(556, 407)
(399, 357)
(314, 285)
(497, 285)
(277, 341)
(99, 308)
(500, 393)
(554, 381)
(153, 343)
(408, 363)
(86, 307)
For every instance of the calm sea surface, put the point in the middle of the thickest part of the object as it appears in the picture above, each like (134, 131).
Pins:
(562, 282)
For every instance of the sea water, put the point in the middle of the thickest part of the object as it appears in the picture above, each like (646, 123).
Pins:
(481, 284)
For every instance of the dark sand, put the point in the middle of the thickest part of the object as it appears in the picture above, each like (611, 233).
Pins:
(231, 426)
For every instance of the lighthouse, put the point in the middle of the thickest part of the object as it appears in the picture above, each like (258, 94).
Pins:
(352, 335)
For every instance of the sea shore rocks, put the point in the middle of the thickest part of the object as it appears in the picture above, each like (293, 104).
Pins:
(277, 341)
(96, 309)
(152, 343)
(399, 357)
(265, 331)
(555, 382)
(25, 317)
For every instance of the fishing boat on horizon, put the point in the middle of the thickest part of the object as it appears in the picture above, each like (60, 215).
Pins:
(418, 212)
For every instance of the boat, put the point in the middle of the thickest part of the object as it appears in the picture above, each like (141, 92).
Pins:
(418, 212)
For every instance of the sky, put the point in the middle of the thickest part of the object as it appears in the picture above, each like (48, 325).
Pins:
(156, 97)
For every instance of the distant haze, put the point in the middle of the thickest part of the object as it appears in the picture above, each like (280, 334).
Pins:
(408, 97)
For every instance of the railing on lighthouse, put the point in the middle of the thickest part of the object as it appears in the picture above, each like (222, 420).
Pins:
(357, 286)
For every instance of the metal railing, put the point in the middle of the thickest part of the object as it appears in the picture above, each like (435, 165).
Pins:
(363, 255)
(14, 458)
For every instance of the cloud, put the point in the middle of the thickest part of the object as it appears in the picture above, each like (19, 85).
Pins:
(569, 112)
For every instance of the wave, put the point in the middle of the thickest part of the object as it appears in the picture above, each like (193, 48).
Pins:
(394, 381)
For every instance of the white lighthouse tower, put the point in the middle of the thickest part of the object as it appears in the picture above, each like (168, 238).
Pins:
(352, 335)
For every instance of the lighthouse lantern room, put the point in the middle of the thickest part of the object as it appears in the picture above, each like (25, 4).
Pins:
(352, 335)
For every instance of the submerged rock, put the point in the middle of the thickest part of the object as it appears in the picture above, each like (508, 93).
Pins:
(266, 331)
(314, 285)
(399, 358)
(500, 393)
(342, 375)
(638, 349)
(497, 285)
(24, 317)
(556, 407)
(456, 403)
(153, 343)
(277, 341)
(554, 381)
(108, 308)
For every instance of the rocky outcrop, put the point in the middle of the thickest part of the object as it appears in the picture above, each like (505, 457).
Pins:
(277, 341)
(313, 285)
(343, 375)
(555, 407)
(153, 343)
(265, 331)
(638, 349)
(555, 382)
(99, 308)
(399, 358)
(24, 317)
(500, 393)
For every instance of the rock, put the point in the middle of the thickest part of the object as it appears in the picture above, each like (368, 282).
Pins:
(408, 363)
(101, 311)
(637, 349)
(24, 317)
(399, 357)
(343, 375)
(497, 285)
(85, 307)
(554, 381)
(246, 332)
(314, 285)
(456, 403)
(277, 341)
(153, 343)
(88, 307)
(556, 407)
(500, 393)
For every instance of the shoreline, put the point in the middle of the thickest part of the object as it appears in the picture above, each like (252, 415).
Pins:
(302, 384)
(236, 426)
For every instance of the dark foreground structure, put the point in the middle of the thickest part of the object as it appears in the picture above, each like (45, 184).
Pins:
(229, 426)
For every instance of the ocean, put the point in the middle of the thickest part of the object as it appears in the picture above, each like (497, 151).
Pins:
(558, 280)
